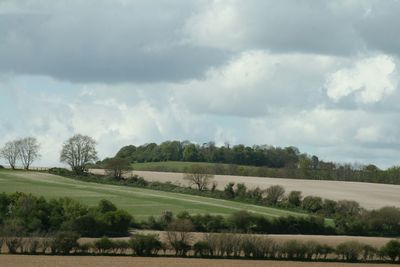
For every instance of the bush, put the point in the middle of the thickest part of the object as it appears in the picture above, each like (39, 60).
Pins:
(179, 235)
(294, 198)
(13, 244)
(103, 245)
(294, 249)
(312, 204)
(120, 246)
(60, 171)
(349, 251)
(145, 245)
(392, 250)
(202, 248)
(64, 242)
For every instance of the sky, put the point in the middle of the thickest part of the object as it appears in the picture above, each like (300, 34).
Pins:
(319, 75)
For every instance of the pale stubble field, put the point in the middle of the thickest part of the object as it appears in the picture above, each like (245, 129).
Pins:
(369, 195)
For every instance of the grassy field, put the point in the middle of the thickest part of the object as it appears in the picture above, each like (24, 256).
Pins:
(139, 202)
(172, 166)
(100, 261)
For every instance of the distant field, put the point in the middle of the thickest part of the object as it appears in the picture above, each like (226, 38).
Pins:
(173, 166)
(139, 202)
(369, 195)
(104, 261)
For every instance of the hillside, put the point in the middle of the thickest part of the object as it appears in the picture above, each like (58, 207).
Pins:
(139, 202)
(369, 195)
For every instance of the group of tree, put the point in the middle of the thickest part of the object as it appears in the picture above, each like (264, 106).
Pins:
(270, 156)
(256, 160)
(24, 150)
(25, 214)
(181, 242)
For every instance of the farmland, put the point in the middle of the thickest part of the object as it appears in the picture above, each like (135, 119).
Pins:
(139, 202)
(99, 261)
(369, 195)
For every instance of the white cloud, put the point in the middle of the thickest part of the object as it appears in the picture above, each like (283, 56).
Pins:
(217, 24)
(370, 79)
(368, 134)
(257, 82)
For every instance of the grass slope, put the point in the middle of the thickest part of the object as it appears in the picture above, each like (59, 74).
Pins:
(139, 202)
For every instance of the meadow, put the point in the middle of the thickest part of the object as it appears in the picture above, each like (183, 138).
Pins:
(141, 203)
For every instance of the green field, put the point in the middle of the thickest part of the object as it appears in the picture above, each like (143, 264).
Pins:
(139, 202)
(179, 166)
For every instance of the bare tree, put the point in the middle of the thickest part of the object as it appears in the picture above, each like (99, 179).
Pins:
(10, 152)
(274, 194)
(198, 176)
(78, 152)
(179, 235)
(28, 151)
(117, 167)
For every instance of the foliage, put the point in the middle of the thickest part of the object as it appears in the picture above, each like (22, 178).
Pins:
(117, 167)
(25, 213)
(145, 245)
(179, 235)
(79, 151)
(266, 161)
(392, 250)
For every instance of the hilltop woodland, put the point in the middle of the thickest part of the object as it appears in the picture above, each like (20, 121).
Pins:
(287, 162)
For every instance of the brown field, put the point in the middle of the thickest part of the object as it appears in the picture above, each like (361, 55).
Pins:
(369, 195)
(98, 261)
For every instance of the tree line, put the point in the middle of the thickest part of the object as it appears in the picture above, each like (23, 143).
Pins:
(26, 214)
(257, 160)
(180, 242)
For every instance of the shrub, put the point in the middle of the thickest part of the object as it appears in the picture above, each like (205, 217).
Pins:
(294, 198)
(241, 221)
(202, 248)
(294, 249)
(275, 194)
(312, 204)
(323, 250)
(120, 246)
(392, 250)
(84, 248)
(103, 245)
(30, 245)
(179, 235)
(64, 242)
(13, 244)
(349, 251)
(60, 171)
(145, 245)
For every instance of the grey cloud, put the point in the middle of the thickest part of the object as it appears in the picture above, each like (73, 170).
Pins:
(101, 41)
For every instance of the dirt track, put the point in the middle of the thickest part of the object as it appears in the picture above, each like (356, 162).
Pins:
(369, 195)
(98, 261)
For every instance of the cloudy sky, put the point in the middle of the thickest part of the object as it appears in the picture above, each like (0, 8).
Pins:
(319, 75)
